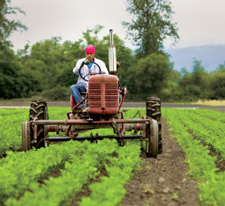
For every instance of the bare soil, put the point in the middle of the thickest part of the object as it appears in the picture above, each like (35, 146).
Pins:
(163, 181)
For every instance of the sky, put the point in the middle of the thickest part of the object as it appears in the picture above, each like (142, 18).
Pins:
(200, 22)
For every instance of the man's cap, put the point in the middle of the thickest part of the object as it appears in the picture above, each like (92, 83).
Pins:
(90, 49)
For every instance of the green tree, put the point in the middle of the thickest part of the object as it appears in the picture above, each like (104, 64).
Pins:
(195, 85)
(8, 74)
(149, 76)
(8, 26)
(221, 66)
(45, 62)
(217, 83)
(171, 91)
(11, 83)
(151, 24)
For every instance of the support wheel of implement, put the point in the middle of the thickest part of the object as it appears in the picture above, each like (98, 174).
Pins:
(26, 137)
(38, 111)
(152, 140)
(153, 110)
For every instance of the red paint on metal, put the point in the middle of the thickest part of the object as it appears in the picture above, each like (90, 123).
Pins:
(52, 128)
(80, 121)
(138, 127)
(103, 94)
(72, 102)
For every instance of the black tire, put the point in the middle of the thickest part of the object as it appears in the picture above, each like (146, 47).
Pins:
(153, 110)
(38, 111)
(26, 137)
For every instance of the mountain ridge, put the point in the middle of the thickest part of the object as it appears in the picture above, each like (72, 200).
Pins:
(211, 56)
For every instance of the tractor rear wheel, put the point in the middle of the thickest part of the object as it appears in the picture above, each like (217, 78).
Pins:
(152, 143)
(26, 137)
(153, 110)
(38, 111)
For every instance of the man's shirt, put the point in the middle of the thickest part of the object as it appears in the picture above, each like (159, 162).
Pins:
(85, 70)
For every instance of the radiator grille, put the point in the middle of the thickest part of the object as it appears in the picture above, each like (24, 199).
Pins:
(103, 96)
(95, 86)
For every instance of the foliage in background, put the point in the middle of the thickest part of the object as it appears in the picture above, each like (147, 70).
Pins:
(8, 26)
(195, 85)
(217, 83)
(45, 68)
(151, 25)
(11, 75)
(148, 76)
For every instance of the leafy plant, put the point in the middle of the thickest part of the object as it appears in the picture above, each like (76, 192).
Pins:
(202, 165)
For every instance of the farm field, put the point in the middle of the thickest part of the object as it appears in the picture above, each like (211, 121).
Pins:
(190, 171)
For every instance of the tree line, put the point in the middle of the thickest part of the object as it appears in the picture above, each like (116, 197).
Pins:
(45, 68)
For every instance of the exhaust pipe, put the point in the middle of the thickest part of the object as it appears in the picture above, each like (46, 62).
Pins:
(112, 55)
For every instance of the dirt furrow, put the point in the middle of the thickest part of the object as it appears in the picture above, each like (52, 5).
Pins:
(163, 182)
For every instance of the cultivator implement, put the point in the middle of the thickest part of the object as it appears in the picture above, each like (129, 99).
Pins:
(144, 129)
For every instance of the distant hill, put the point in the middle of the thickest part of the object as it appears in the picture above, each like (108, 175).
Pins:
(210, 56)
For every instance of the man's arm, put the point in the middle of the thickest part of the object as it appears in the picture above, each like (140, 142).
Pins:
(77, 67)
(103, 68)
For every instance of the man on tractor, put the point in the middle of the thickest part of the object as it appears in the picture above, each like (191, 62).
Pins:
(84, 67)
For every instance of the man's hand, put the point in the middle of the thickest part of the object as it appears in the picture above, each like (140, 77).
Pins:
(86, 62)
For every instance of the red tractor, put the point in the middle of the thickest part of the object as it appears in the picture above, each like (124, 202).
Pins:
(104, 100)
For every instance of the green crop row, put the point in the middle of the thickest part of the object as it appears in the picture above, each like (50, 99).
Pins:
(58, 113)
(110, 191)
(10, 112)
(134, 113)
(11, 128)
(210, 114)
(208, 130)
(76, 172)
(11, 125)
(19, 170)
(201, 164)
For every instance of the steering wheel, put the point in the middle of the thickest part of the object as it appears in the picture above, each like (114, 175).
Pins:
(86, 62)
